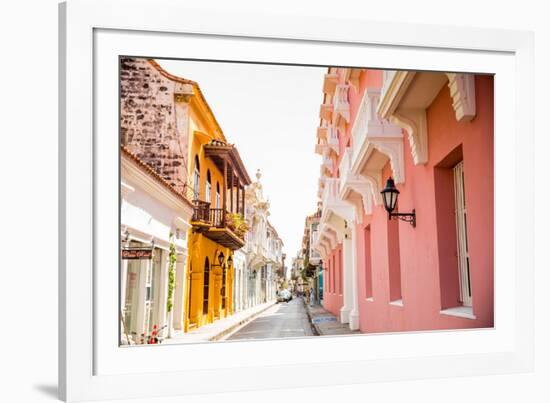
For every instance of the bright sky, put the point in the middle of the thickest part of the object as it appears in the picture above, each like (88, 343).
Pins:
(271, 114)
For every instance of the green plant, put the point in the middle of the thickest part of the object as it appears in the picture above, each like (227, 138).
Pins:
(171, 274)
(237, 223)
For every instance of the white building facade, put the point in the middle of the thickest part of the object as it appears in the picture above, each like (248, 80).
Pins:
(259, 262)
(154, 225)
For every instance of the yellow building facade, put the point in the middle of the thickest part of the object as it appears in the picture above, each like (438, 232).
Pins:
(216, 186)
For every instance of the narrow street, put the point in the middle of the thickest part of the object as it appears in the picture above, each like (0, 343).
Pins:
(282, 320)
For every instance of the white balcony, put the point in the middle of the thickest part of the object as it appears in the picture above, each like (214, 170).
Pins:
(371, 133)
(333, 141)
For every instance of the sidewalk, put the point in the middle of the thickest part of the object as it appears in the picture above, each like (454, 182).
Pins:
(325, 323)
(218, 329)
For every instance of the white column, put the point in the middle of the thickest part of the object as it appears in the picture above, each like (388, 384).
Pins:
(144, 267)
(347, 254)
(162, 299)
(123, 286)
(179, 293)
(354, 314)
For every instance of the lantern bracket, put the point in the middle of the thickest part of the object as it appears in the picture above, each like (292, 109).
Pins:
(407, 217)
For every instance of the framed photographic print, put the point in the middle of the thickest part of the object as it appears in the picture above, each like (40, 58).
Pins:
(241, 204)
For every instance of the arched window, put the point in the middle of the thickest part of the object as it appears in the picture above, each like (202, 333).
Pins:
(207, 196)
(197, 179)
(218, 197)
(206, 286)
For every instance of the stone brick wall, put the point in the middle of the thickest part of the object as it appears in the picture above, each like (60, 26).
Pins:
(153, 125)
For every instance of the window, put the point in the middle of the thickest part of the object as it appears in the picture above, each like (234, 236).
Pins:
(452, 245)
(197, 179)
(218, 198)
(462, 236)
(207, 196)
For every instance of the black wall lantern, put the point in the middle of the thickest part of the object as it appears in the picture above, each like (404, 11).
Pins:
(221, 259)
(390, 195)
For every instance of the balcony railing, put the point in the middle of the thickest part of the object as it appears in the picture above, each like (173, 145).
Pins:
(218, 225)
(201, 211)
(217, 217)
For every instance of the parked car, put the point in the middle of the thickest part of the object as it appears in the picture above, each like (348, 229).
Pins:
(284, 296)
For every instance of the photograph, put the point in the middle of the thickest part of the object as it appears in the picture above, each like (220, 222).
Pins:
(276, 201)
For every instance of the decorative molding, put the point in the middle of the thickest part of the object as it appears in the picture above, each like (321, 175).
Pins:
(339, 232)
(329, 83)
(341, 114)
(333, 142)
(463, 92)
(371, 132)
(374, 179)
(413, 121)
(356, 183)
(332, 237)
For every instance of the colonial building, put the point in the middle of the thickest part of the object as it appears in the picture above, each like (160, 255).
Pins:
(168, 127)
(218, 229)
(262, 251)
(428, 135)
(155, 203)
(312, 265)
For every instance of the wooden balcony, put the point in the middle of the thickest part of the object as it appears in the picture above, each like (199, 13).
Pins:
(216, 224)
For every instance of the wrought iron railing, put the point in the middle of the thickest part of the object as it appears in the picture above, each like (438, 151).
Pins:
(217, 217)
(201, 211)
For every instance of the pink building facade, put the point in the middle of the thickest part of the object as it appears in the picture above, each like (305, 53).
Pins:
(433, 134)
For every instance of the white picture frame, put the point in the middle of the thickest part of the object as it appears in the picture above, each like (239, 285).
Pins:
(92, 367)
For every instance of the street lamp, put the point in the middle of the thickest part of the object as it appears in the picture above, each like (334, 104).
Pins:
(221, 258)
(390, 195)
